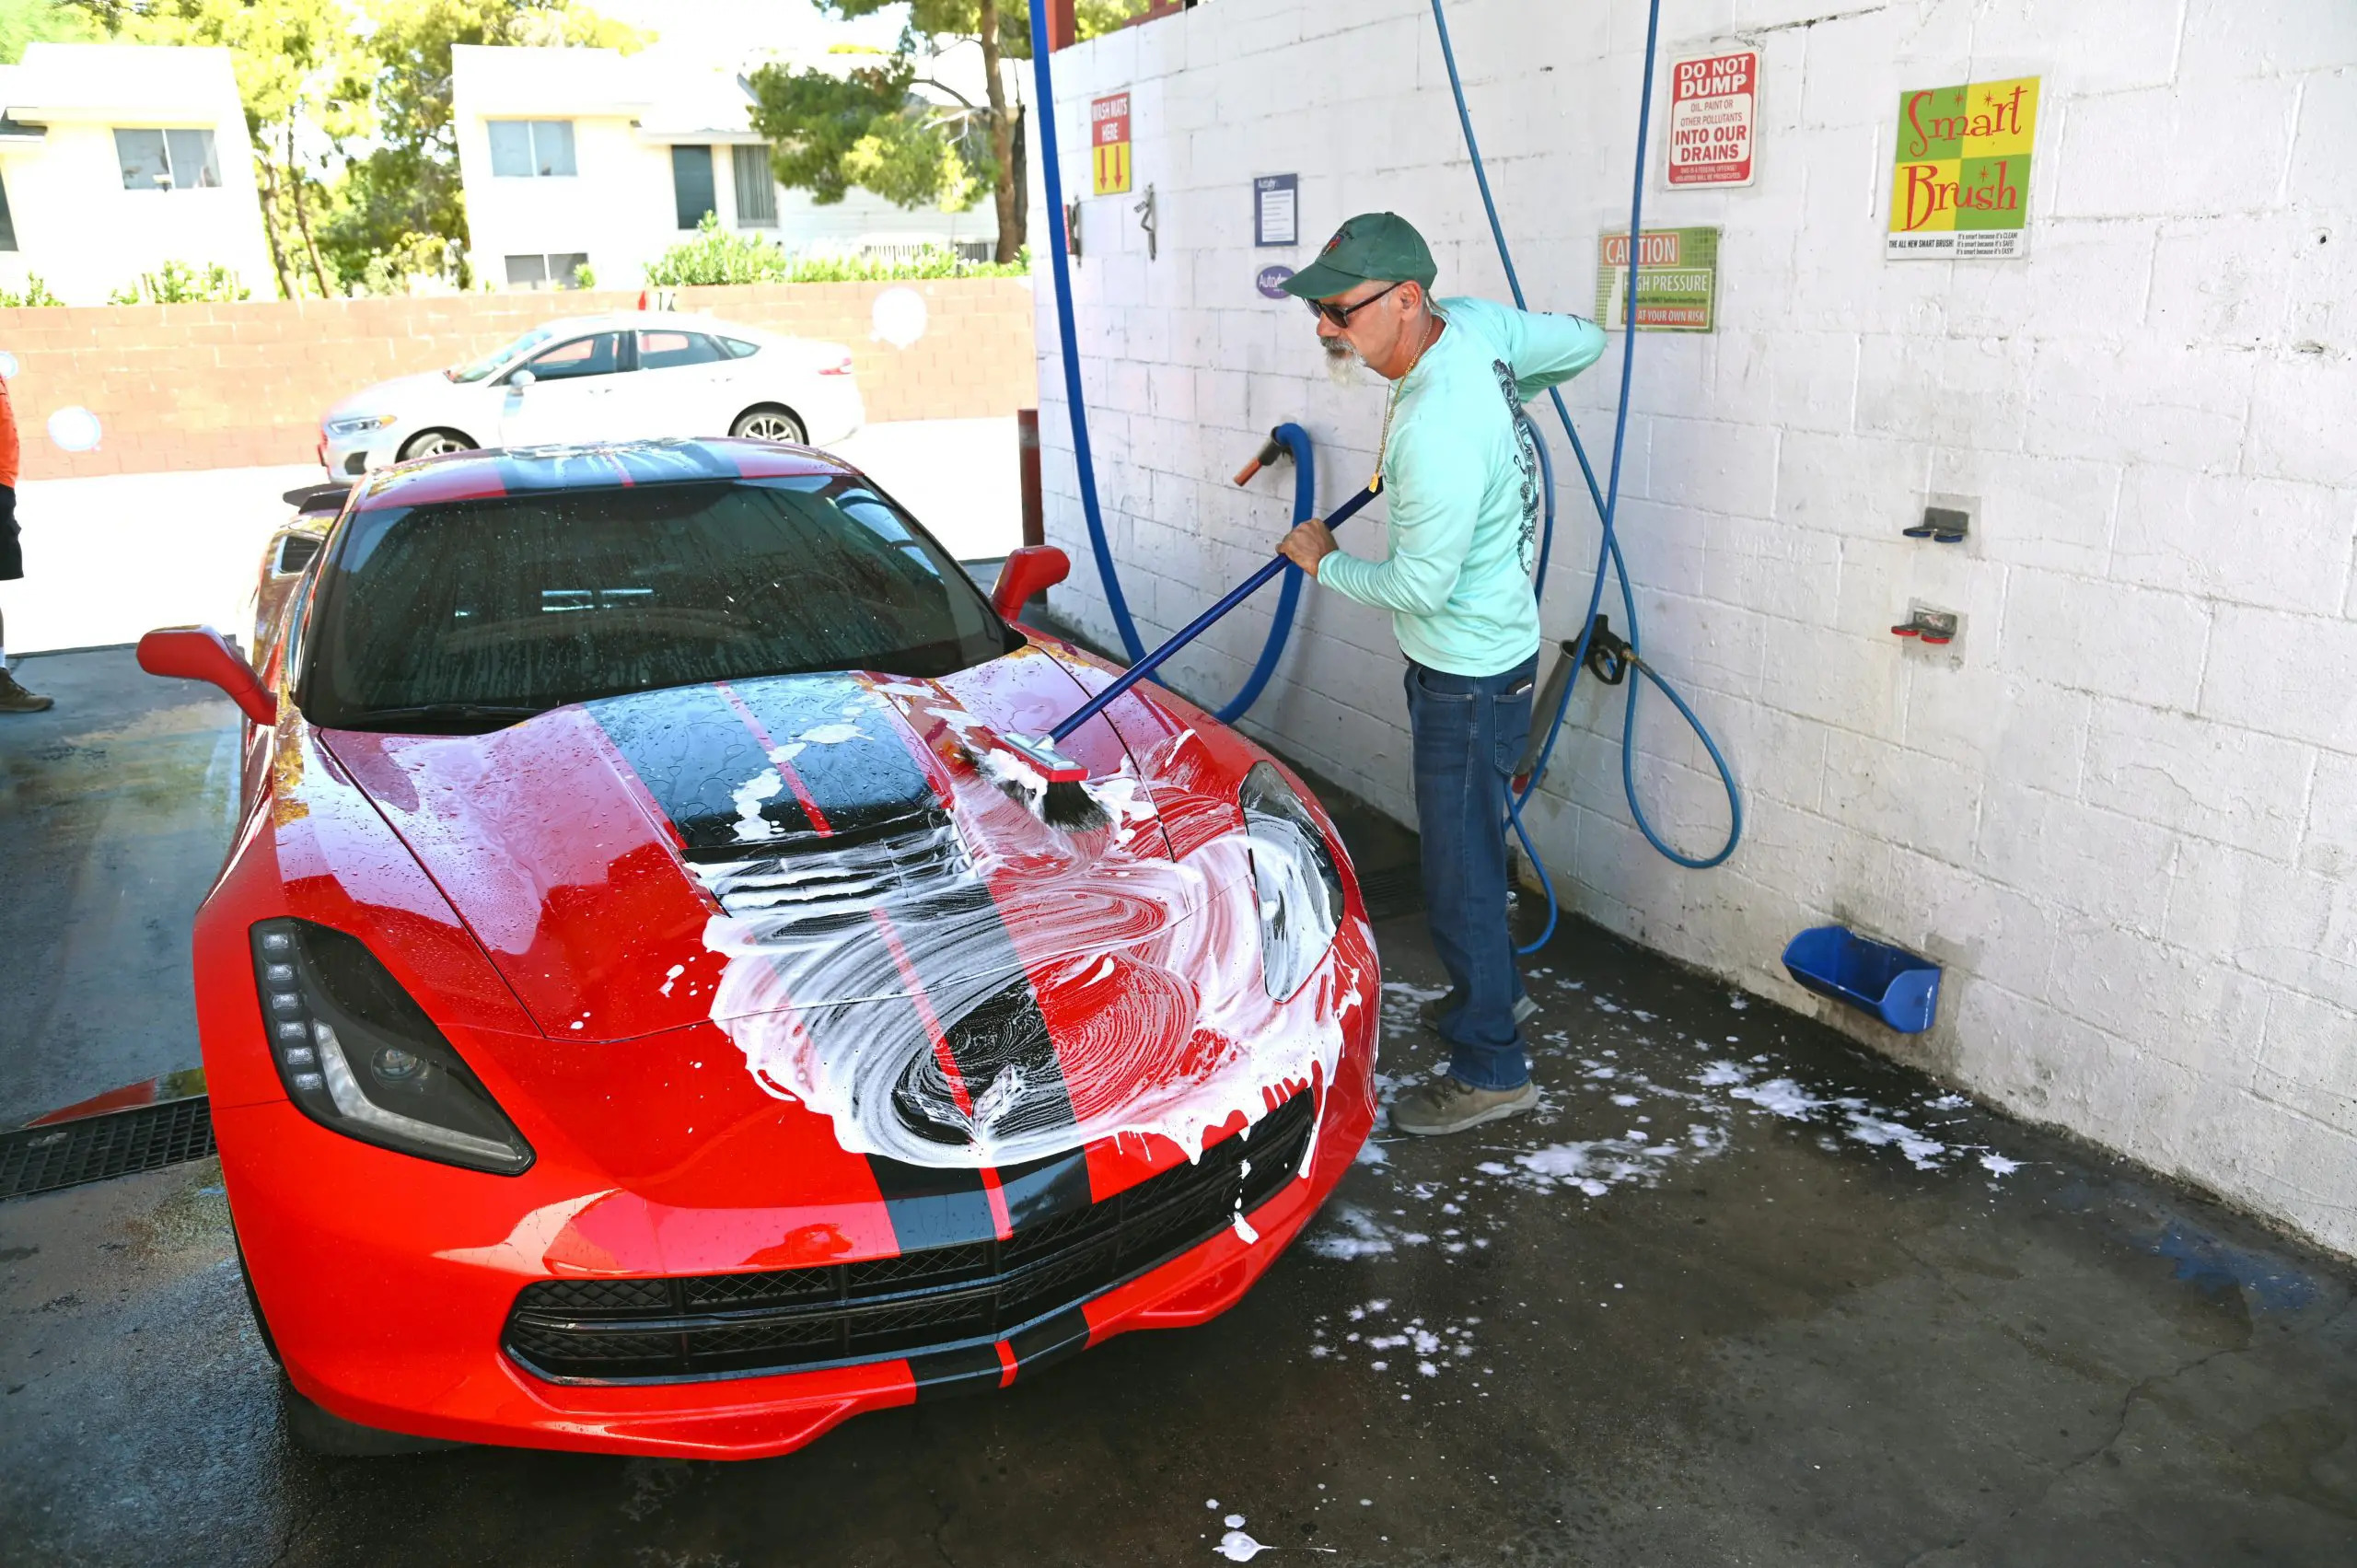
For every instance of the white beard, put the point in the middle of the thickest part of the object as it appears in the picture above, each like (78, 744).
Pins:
(1343, 366)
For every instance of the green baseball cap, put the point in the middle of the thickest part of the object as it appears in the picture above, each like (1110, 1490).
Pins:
(1380, 245)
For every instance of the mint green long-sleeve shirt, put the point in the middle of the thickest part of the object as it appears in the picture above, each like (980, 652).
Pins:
(1461, 478)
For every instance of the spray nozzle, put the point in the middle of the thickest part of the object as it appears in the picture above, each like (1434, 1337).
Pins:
(1270, 452)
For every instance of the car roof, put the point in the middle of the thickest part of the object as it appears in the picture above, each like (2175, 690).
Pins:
(685, 319)
(484, 474)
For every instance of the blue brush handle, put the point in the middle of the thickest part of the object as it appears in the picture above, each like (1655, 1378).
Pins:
(1197, 627)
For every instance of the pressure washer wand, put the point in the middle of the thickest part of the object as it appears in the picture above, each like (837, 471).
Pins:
(1197, 627)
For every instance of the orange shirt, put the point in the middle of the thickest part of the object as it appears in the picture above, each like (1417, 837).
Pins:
(8, 447)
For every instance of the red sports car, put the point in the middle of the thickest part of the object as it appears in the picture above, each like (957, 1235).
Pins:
(646, 1008)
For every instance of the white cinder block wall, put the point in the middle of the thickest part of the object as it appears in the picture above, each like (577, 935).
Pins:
(2122, 810)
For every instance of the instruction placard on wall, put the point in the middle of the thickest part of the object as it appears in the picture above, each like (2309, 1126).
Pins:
(1959, 181)
(1712, 104)
(1109, 139)
(1678, 281)
(1276, 209)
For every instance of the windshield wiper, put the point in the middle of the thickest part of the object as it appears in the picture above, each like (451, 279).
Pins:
(488, 715)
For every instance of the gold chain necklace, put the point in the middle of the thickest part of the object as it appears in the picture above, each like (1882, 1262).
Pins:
(1391, 406)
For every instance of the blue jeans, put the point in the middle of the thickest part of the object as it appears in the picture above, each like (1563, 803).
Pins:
(1469, 733)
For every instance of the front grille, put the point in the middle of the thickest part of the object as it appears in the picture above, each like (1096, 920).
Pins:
(938, 1298)
(95, 1148)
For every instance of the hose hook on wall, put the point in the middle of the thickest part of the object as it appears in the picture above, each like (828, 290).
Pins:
(1145, 221)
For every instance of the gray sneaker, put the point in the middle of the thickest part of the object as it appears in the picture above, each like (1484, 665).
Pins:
(15, 698)
(1525, 1009)
(1447, 1106)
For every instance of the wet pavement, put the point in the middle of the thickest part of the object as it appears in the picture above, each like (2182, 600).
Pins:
(1739, 1293)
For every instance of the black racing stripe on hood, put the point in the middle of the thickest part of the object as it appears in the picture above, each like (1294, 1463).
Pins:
(693, 750)
(695, 747)
(865, 783)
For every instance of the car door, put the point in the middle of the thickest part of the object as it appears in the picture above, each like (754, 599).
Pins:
(680, 381)
(570, 392)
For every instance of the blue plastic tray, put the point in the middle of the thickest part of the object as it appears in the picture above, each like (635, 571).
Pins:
(1892, 983)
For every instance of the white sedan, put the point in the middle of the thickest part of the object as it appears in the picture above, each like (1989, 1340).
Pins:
(634, 374)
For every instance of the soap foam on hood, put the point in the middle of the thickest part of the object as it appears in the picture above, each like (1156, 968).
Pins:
(1188, 1038)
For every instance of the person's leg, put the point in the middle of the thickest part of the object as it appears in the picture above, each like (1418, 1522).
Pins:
(1438, 729)
(1489, 1053)
(1469, 734)
(14, 699)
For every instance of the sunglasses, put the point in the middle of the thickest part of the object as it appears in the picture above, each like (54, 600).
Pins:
(1340, 315)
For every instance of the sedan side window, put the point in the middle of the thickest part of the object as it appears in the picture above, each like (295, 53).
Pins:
(662, 351)
(600, 354)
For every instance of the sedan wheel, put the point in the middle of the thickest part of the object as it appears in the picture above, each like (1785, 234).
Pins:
(435, 442)
(770, 424)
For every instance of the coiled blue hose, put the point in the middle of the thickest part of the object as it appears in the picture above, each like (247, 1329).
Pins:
(1606, 499)
(1305, 506)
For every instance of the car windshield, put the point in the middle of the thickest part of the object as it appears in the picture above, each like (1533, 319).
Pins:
(464, 616)
(501, 356)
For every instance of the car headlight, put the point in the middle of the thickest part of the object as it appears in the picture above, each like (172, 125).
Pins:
(362, 426)
(360, 1057)
(1293, 880)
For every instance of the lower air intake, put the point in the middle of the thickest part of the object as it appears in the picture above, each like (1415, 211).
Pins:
(681, 1327)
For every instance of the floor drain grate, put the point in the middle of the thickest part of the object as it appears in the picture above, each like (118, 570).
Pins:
(93, 1148)
(1392, 890)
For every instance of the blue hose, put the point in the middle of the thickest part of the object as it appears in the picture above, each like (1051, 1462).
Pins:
(1606, 499)
(1052, 170)
(1305, 506)
(1297, 440)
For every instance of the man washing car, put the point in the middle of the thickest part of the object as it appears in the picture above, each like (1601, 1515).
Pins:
(1461, 477)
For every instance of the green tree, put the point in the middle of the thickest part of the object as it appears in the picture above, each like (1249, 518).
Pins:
(405, 191)
(297, 72)
(829, 133)
(42, 21)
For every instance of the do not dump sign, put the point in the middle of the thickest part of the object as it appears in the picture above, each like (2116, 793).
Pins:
(1712, 104)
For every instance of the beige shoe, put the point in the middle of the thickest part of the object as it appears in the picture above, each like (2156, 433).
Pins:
(15, 698)
(1447, 1106)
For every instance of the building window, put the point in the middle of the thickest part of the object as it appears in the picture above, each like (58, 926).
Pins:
(557, 268)
(691, 183)
(530, 149)
(168, 160)
(8, 220)
(755, 193)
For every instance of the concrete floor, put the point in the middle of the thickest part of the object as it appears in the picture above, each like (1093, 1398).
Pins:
(1739, 1295)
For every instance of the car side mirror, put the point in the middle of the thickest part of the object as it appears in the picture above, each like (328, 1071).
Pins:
(1027, 573)
(199, 653)
(521, 379)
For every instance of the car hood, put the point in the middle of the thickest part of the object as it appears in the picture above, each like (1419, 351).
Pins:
(822, 867)
(401, 395)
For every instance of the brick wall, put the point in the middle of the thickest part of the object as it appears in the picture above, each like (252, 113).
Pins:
(215, 386)
(2121, 810)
